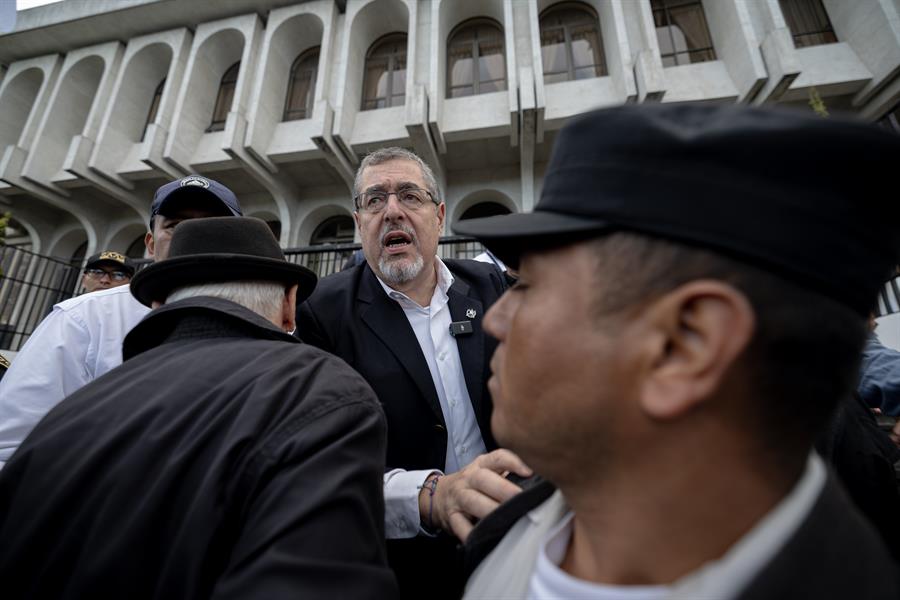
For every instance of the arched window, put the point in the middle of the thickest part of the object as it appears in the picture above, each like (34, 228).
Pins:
(385, 78)
(224, 98)
(301, 90)
(571, 46)
(333, 230)
(475, 59)
(682, 32)
(154, 107)
(808, 22)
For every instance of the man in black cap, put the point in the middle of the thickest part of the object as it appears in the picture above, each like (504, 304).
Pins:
(105, 270)
(81, 338)
(223, 458)
(692, 302)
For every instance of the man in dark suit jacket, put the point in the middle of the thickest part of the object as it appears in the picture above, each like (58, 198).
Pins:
(410, 323)
(693, 292)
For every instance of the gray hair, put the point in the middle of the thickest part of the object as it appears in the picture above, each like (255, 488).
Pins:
(262, 297)
(383, 155)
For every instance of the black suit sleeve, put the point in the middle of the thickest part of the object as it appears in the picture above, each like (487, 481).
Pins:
(314, 524)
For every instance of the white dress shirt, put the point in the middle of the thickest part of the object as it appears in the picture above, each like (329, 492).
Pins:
(431, 324)
(77, 342)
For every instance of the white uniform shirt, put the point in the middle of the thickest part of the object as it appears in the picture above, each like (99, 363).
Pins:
(77, 342)
(431, 324)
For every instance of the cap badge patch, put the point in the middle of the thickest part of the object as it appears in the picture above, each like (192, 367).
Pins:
(195, 180)
(109, 255)
(470, 313)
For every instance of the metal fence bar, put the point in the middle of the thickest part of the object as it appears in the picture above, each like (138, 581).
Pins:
(31, 283)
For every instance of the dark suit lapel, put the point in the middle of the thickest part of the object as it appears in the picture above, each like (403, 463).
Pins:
(388, 321)
(471, 347)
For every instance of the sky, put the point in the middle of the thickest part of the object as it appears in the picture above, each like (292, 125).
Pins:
(24, 4)
(8, 10)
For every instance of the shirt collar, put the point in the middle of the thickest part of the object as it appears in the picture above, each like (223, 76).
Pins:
(444, 281)
(727, 576)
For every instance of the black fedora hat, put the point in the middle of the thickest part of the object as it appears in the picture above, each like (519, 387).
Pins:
(220, 249)
(798, 195)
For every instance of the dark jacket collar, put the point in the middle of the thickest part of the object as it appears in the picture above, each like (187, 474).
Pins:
(198, 318)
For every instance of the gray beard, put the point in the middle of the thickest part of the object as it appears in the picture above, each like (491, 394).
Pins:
(399, 272)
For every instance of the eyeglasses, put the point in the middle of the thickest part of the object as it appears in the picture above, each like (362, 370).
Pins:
(114, 275)
(374, 201)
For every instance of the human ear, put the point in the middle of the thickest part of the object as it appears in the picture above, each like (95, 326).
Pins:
(149, 243)
(441, 213)
(289, 308)
(698, 332)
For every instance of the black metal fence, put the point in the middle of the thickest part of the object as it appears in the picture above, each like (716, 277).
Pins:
(29, 287)
(31, 284)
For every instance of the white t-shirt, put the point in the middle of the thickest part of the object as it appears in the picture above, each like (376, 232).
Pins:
(80, 340)
(549, 581)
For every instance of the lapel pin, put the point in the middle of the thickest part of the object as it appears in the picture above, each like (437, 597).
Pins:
(470, 313)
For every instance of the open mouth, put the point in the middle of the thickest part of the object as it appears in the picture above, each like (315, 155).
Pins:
(396, 241)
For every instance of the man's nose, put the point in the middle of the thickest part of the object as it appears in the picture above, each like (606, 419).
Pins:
(393, 208)
(105, 274)
(496, 320)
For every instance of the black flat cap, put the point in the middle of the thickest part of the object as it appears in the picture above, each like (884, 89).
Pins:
(220, 249)
(813, 199)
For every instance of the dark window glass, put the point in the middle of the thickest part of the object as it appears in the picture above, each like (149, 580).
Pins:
(475, 60)
(333, 230)
(571, 46)
(384, 80)
(808, 22)
(136, 248)
(154, 107)
(682, 32)
(224, 98)
(301, 90)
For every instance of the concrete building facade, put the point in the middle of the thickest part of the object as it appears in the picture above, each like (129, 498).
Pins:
(101, 101)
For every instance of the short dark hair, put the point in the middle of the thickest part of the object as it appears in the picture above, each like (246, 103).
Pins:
(383, 155)
(804, 355)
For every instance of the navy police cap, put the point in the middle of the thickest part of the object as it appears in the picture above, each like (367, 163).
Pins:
(192, 186)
